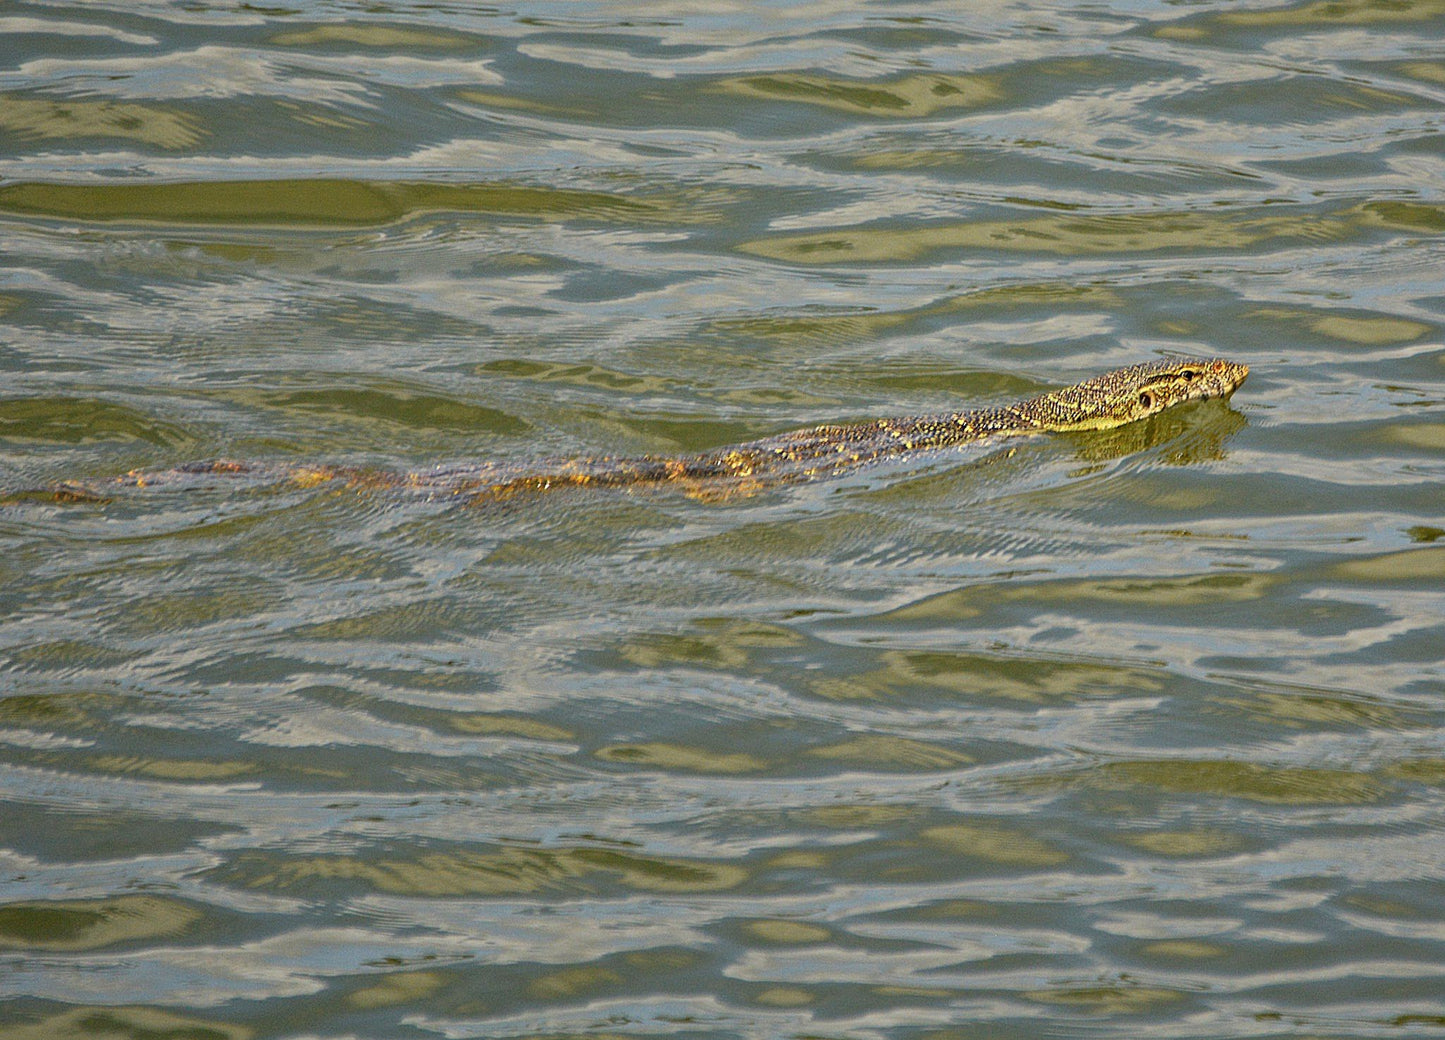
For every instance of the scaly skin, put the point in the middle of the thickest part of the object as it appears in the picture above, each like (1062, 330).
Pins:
(1104, 402)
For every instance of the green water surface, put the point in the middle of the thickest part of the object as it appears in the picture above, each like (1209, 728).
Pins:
(1127, 734)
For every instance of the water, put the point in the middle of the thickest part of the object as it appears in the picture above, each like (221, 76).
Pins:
(1120, 734)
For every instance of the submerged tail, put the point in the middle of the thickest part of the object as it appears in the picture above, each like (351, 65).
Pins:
(184, 477)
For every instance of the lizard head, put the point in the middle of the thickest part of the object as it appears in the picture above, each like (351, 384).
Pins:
(1137, 392)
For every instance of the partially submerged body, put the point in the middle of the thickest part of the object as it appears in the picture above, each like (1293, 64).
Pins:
(1123, 396)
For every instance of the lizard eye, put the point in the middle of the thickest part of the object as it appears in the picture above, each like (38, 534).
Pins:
(1188, 375)
(1146, 399)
